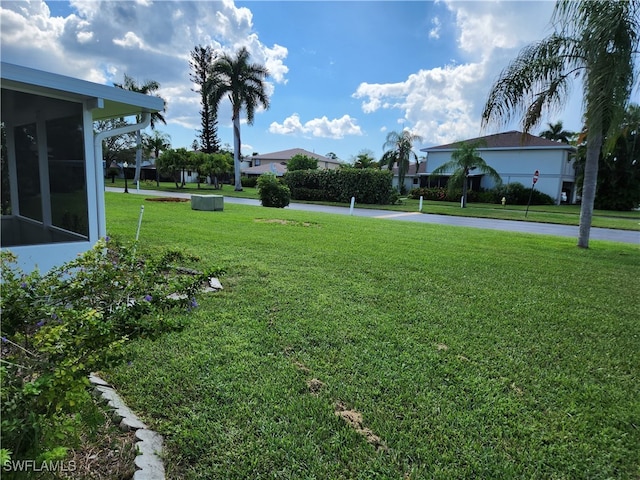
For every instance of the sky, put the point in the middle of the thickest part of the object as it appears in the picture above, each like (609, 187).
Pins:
(343, 74)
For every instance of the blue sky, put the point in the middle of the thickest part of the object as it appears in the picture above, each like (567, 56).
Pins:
(343, 74)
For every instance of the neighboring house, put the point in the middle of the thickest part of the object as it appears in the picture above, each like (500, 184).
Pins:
(53, 208)
(515, 156)
(412, 178)
(276, 162)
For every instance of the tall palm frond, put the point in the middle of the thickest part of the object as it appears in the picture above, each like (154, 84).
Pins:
(400, 151)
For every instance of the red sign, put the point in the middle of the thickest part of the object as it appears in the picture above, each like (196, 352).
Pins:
(535, 177)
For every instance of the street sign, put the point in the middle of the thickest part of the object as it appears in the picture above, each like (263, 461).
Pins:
(535, 177)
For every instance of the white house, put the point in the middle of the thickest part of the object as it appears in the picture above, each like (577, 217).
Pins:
(515, 156)
(53, 208)
(276, 162)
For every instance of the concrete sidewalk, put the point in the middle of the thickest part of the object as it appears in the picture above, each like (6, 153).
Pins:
(624, 236)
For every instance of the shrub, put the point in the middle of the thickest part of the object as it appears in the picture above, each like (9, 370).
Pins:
(249, 182)
(60, 326)
(518, 194)
(369, 186)
(272, 192)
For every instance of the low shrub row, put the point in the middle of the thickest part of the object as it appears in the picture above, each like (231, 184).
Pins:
(60, 326)
(514, 194)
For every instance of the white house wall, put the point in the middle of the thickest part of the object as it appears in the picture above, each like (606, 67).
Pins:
(519, 165)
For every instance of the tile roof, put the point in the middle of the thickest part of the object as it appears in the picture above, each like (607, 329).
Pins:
(512, 139)
(286, 155)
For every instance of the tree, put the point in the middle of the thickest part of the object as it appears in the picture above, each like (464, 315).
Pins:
(365, 159)
(173, 163)
(595, 41)
(619, 170)
(302, 162)
(556, 133)
(117, 148)
(147, 88)
(214, 165)
(400, 151)
(156, 143)
(200, 62)
(243, 84)
(463, 161)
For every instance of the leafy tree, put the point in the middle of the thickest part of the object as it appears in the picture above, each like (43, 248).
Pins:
(399, 152)
(463, 161)
(556, 133)
(200, 63)
(595, 41)
(302, 162)
(619, 170)
(214, 165)
(332, 156)
(156, 143)
(243, 84)
(173, 163)
(147, 88)
(120, 147)
(365, 159)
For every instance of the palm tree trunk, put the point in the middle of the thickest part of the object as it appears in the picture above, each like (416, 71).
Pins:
(136, 177)
(594, 145)
(464, 189)
(236, 152)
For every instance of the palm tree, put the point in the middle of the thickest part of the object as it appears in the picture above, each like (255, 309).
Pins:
(148, 88)
(594, 40)
(464, 160)
(556, 133)
(243, 84)
(400, 151)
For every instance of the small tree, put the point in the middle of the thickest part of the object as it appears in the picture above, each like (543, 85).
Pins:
(302, 162)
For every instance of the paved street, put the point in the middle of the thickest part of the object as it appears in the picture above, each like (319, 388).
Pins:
(624, 236)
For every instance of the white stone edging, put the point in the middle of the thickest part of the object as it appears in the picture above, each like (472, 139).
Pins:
(148, 462)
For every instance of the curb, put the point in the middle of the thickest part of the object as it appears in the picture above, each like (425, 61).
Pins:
(149, 445)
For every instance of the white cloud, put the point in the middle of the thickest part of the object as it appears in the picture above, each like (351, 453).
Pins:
(103, 40)
(443, 104)
(435, 31)
(318, 127)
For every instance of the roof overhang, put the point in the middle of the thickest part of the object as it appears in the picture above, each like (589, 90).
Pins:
(104, 101)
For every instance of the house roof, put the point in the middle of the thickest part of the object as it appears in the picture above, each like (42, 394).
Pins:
(506, 141)
(107, 101)
(276, 168)
(285, 155)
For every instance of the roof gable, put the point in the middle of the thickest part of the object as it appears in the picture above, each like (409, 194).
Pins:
(286, 155)
(507, 140)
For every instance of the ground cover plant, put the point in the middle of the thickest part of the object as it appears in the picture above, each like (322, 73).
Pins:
(59, 326)
(348, 347)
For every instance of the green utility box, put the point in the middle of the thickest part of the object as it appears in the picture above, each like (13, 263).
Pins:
(212, 203)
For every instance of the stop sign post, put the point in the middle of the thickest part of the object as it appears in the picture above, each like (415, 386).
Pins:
(536, 175)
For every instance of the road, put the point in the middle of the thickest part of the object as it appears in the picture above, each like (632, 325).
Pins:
(609, 234)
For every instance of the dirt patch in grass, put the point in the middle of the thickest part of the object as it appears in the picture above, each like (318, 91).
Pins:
(167, 199)
(315, 386)
(281, 221)
(354, 419)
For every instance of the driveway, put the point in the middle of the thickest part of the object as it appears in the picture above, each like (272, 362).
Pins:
(625, 236)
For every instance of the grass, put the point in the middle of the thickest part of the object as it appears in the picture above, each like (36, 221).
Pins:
(467, 353)
(560, 214)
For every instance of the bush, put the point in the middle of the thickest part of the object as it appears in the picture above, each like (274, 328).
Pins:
(249, 182)
(272, 192)
(518, 194)
(515, 193)
(60, 326)
(369, 186)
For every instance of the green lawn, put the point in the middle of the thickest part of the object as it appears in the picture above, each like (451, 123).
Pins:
(561, 214)
(468, 353)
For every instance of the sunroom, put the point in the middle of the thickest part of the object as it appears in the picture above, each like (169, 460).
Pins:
(52, 168)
